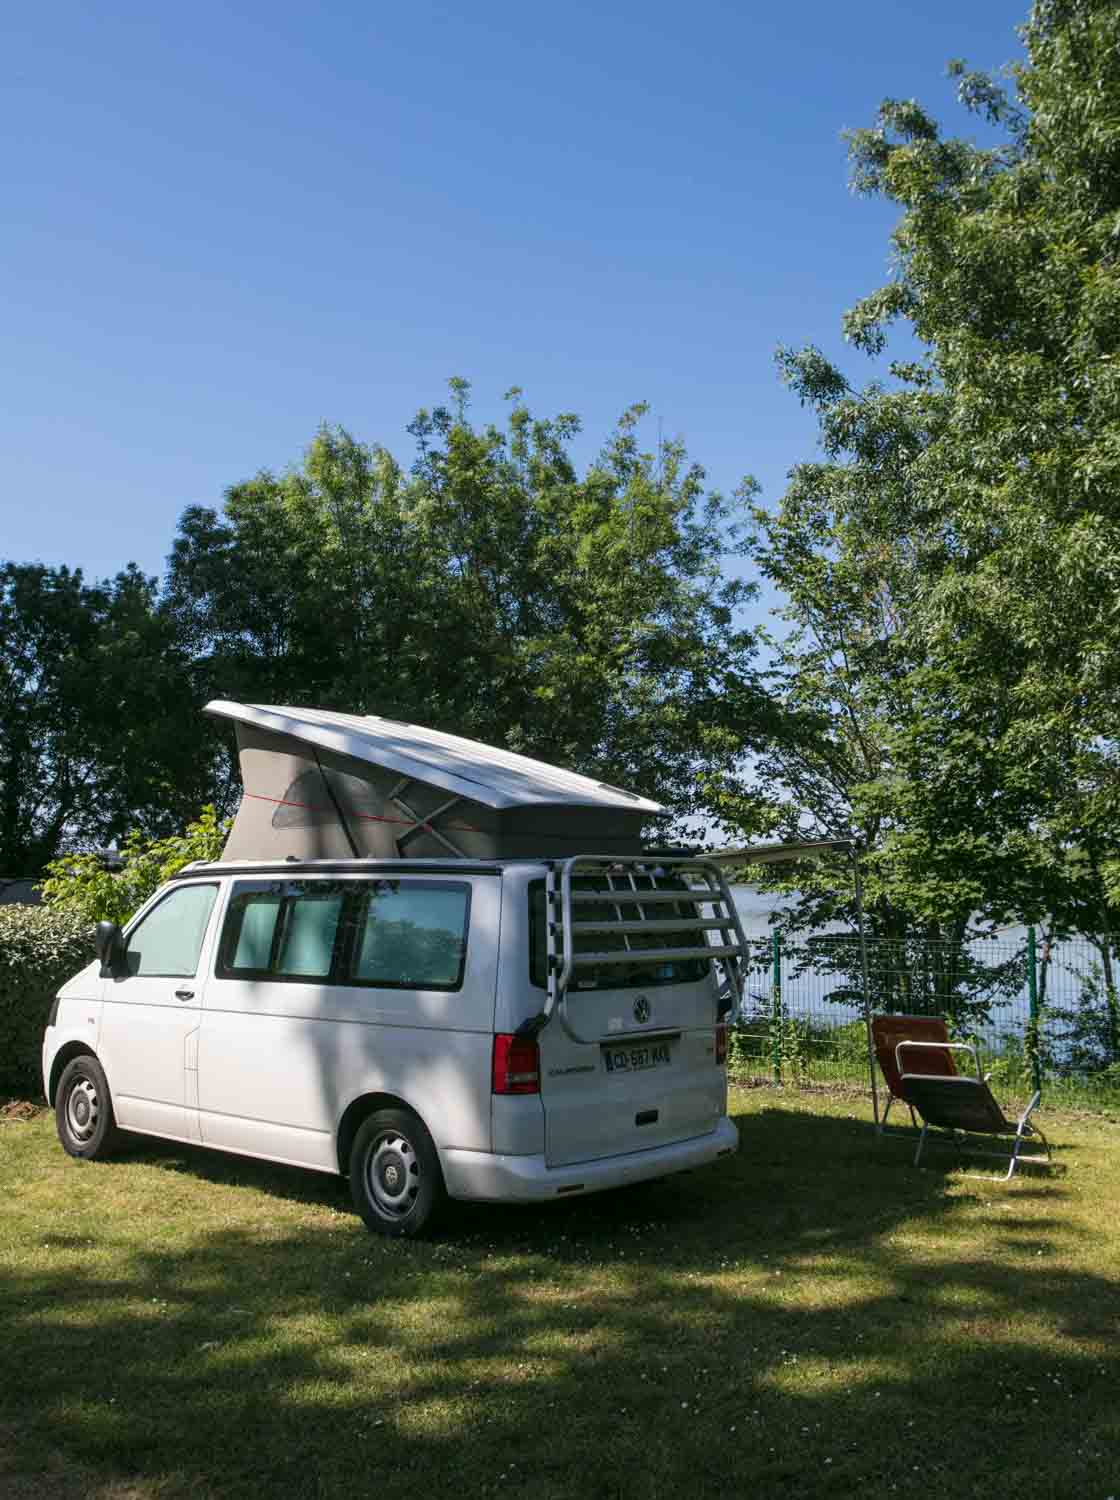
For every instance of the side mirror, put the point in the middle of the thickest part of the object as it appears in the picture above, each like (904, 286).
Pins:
(110, 950)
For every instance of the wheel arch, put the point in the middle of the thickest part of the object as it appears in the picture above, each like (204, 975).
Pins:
(360, 1109)
(66, 1054)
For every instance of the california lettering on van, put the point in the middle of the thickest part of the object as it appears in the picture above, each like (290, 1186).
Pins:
(432, 966)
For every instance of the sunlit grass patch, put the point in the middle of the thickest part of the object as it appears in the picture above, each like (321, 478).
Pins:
(176, 1322)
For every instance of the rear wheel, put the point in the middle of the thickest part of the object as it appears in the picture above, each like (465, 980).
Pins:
(83, 1109)
(395, 1177)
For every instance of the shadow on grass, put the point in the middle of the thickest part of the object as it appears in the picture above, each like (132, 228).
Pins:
(798, 1321)
(199, 1163)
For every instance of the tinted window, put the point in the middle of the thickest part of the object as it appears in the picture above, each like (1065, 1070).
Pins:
(409, 934)
(281, 929)
(636, 970)
(168, 941)
(391, 933)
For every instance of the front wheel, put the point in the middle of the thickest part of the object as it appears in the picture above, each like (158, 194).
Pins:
(83, 1110)
(395, 1177)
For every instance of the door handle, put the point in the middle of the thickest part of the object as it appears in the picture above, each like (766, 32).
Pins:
(184, 994)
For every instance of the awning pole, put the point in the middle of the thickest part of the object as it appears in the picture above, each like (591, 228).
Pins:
(866, 983)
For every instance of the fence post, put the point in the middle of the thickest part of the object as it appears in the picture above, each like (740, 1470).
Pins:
(776, 1005)
(1110, 999)
(1033, 1048)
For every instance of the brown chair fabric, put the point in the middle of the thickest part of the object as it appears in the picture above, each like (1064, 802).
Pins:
(956, 1104)
(888, 1032)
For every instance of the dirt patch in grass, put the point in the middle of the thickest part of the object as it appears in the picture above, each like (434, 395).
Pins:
(20, 1109)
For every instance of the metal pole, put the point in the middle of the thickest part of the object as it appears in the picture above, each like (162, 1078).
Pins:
(1032, 1028)
(776, 1006)
(1110, 999)
(865, 975)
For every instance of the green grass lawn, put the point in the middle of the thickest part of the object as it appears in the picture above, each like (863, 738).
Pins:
(813, 1317)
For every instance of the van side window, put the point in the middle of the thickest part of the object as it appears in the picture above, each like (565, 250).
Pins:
(281, 930)
(409, 934)
(167, 942)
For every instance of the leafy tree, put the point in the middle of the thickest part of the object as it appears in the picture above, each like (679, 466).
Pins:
(86, 886)
(868, 747)
(95, 728)
(1006, 271)
(40, 950)
(490, 590)
(952, 563)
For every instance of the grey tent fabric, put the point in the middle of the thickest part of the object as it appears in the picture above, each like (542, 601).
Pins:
(321, 785)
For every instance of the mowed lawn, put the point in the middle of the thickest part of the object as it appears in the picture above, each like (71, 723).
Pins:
(814, 1317)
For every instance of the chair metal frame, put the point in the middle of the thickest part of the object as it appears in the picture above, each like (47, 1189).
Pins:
(1020, 1130)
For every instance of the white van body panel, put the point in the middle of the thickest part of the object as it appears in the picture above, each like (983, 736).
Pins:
(77, 1019)
(330, 1044)
(149, 1035)
(586, 1112)
(269, 1067)
(494, 1178)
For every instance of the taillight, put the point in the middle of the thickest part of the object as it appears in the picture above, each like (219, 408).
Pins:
(721, 1043)
(517, 1064)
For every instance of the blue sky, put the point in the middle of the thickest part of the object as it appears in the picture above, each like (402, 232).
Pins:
(225, 224)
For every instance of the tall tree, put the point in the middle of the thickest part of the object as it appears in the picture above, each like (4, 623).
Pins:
(870, 745)
(972, 496)
(95, 731)
(1007, 272)
(492, 590)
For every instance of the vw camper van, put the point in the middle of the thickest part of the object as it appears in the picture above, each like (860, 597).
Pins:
(406, 968)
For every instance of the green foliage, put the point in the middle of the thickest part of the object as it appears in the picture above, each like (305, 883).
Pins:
(1007, 274)
(40, 948)
(948, 689)
(490, 590)
(80, 883)
(809, 1049)
(96, 714)
(1009, 1069)
(789, 1039)
(1085, 1033)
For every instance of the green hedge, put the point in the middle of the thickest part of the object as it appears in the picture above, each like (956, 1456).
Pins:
(40, 948)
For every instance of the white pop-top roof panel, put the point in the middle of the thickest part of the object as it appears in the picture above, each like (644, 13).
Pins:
(496, 778)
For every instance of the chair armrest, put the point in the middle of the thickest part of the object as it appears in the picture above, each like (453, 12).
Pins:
(943, 1047)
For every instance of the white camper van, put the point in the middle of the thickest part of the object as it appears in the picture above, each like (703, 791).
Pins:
(405, 969)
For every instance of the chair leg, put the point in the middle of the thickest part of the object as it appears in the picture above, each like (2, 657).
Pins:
(1024, 1127)
(1013, 1163)
(921, 1143)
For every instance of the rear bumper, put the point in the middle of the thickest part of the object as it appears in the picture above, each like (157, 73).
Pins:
(526, 1179)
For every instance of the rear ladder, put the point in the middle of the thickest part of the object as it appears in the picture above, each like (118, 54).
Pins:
(718, 935)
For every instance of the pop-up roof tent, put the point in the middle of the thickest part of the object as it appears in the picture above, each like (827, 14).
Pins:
(323, 785)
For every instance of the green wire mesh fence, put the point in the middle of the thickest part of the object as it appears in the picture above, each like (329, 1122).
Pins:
(1040, 1012)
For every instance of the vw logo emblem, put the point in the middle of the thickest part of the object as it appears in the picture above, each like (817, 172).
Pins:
(642, 1009)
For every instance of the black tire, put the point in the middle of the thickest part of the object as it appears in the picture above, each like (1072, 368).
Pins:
(395, 1177)
(83, 1110)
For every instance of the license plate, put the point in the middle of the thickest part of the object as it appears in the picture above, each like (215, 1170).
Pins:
(636, 1059)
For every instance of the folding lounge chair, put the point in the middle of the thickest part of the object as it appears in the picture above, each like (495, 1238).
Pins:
(888, 1032)
(966, 1105)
